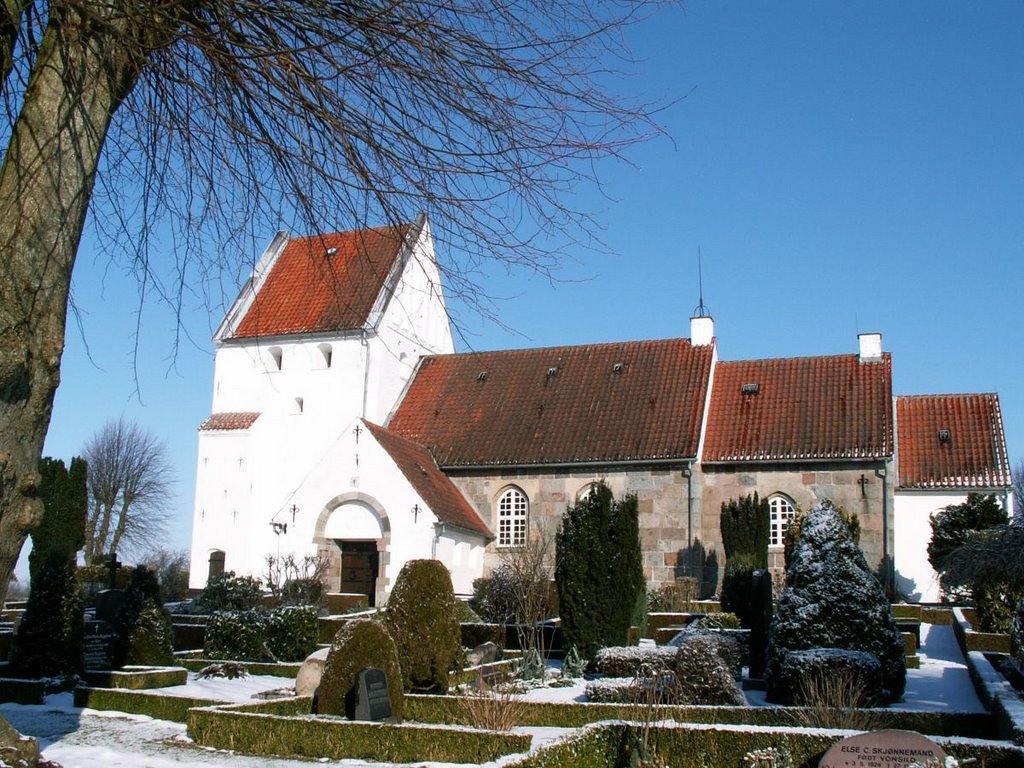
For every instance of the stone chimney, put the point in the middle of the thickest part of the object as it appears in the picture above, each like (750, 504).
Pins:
(870, 347)
(702, 330)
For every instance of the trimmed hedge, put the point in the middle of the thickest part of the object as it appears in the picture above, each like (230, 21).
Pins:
(274, 669)
(22, 691)
(285, 634)
(445, 709)
(625, 661)
(241, 729)
(688, 746)
(161, 707)
(137, 678)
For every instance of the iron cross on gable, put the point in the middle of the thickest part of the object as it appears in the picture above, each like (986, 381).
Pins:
(357, 432)
(113, 564)
(863, 483)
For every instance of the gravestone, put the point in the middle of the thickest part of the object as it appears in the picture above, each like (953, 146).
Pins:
(373, 701)
(98, 646)
(882, 749)
(108, 605)
(760, 621)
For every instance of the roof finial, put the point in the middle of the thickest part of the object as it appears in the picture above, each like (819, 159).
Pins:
(701, 310)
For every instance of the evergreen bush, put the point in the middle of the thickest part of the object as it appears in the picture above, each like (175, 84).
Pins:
(228, 592)
(304, 591)
(292, 632)
(599, 571)
(143, 629)
(48, 642)
(795, 526)
(236, 635)
(357, 645)
(832, 600)
(702, 676)
(422, 618)
(746, 526)
(62, 491)
(805, 675)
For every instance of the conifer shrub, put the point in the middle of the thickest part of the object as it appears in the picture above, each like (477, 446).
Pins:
(49, 639)
(746, 526)
(285, 634)
(854, 678)
(599, 571)
(422, 618)
(795, 526)
(356, 646)
(292, 632)
(702, 676)
(832, 600)
(228, 592)
(144, 632)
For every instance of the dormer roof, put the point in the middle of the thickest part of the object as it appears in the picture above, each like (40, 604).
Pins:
(952, 441)
(318, 284)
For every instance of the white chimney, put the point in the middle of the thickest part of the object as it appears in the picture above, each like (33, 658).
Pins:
(870, 347)
(702, 331)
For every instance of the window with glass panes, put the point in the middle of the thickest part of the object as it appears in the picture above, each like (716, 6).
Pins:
(782, 511)
(512, 514)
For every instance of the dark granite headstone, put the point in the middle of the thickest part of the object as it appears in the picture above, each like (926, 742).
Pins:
(98, 646)
(882, 749)
(373, 702)
(760, 620)
(108, 605)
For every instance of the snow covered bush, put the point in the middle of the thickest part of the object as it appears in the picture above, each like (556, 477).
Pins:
(145, 634)
(730, 646)
(832, 600)
(613, 690)
(357, 645)
(227, 592)
(422, 617)
(702, 677)
(281, 634)
(625, 661)
(831, 677)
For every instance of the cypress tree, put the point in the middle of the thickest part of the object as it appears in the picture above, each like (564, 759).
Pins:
(49, 638)
(745, 534)
(598, 570)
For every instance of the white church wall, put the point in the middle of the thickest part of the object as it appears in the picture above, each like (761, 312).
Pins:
(912, 532)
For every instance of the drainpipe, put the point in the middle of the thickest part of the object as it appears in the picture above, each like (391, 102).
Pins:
(688, 474)
(366, 369)
(887, 565)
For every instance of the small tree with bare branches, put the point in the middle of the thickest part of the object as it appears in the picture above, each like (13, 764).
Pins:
(130, 482)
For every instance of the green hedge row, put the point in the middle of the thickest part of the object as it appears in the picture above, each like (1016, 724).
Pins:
(137, 678)
(336, 739)
(21, 691)
(696, 747)
(173, 708)
(278, 669)
(446, 709)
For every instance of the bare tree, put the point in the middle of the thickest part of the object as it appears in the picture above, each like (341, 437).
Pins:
(208, 120)
(130, 484)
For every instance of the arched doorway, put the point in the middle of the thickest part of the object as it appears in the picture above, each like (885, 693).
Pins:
(352, 534)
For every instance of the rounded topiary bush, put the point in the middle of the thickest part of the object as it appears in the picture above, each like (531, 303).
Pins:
(292, 632)
(829, 677)
(732, 647)
(228, 592)
(627, 661)
(702, 676)
(422, 617)
(236, 635)
(145, 634)
(832, 600)
(357, 645)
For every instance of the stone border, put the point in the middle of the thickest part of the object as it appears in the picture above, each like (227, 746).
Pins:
(999, 696)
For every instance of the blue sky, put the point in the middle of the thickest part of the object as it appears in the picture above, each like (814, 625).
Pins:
(843, 167)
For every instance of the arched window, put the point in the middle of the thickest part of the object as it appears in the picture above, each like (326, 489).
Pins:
(326, 354)
(513, 511)
(586, 491)
(782, 511)
(275, 355)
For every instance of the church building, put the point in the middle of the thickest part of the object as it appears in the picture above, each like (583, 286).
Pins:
(345, 425)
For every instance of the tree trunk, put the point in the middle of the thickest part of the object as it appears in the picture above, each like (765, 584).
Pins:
(80, 76)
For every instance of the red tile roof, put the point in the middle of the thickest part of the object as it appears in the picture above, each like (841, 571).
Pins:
(599, 403)
(433, 486)
(230, 420)
(310, 289)
(804, 408)
(974, 455)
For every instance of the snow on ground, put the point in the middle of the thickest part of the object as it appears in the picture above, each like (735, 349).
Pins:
(84, 738)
